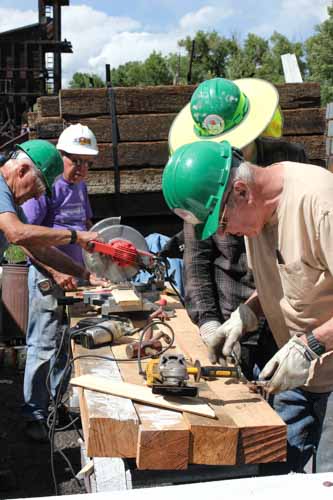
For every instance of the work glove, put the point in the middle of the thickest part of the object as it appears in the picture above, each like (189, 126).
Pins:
(288, 368)
(223, 340)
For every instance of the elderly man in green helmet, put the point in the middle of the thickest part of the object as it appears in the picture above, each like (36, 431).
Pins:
(285, 211)
(30, 172)
(217, 280)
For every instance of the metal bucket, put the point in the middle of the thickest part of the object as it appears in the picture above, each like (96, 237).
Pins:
(15, 303)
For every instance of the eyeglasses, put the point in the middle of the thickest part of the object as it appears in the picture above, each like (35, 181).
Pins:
(224, 219)
(80, 162)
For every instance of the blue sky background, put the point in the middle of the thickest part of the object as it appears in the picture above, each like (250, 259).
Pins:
(117, 31)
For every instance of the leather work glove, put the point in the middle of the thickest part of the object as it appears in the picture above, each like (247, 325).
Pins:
(289, 367)
(222, 340)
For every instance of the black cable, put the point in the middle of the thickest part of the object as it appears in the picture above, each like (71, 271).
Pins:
(171, 280)
(70, 361)
(150, 325)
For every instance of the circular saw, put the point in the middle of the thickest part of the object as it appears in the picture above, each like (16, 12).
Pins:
(119, 253)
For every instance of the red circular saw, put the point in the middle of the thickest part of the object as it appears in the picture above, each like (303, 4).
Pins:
(120, 254)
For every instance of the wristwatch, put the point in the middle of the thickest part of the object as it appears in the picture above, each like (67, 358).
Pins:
(314, 345)
(73, 237)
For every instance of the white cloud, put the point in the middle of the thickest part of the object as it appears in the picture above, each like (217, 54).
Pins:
(295, 19)
(298, 10)
(14, 18)
(206, 17)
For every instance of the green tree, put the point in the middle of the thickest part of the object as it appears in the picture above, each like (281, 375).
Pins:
(85, 80)
(211, 54)
(156, 70)
(320, 57)
(129, 74)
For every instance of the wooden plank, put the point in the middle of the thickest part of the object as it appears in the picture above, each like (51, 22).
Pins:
(48, 106)
(129, 100)
(262, 432)
(126, 297)
(299, 95)
(304, 121)
(163, 99)
(314, 145)
(212, 441)
(145, 180)
(104, 415)
(155, 127)
(155, 154)
(133, 154)
(164, 436)
(132, 128)
(163, 441)
(143, 395)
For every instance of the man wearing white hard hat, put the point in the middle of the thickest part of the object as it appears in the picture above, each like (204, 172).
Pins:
(68, 207)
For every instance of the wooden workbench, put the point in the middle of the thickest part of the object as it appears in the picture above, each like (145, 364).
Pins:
(246, 430)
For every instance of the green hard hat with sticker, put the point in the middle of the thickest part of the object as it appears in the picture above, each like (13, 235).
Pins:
(217, 106)
(194, 182)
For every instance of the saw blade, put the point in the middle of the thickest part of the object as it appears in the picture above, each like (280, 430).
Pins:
(102, 265)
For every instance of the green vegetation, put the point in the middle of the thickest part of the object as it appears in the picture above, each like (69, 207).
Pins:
(14, 255)
(215, 55)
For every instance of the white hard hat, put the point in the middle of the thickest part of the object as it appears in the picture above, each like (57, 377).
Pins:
(78, 140)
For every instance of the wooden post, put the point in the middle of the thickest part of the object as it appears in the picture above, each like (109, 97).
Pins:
(329, 136)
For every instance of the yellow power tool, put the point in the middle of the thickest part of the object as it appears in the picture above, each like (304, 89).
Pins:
(169, 374)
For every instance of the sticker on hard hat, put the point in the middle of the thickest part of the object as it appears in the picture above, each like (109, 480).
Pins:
(214, 124)
(187, 216)
(83, 141)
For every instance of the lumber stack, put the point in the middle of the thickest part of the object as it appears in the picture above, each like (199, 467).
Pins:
(144, 116)
(245, 431)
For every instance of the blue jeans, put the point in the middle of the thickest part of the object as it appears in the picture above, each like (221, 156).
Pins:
(309, 417)
(45, 328)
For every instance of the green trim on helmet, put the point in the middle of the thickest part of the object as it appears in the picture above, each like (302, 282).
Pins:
(217, 106)
(194, 182)
(46, 158)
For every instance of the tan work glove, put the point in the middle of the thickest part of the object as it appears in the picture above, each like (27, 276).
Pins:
(289, 367)
(222, 340)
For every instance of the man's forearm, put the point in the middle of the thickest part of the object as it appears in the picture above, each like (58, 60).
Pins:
(52, 258)
(28, 235)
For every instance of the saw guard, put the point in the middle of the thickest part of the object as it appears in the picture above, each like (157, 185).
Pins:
(102, 265)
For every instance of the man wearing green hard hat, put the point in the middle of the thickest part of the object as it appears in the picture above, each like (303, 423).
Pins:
(217, 280)
(285, 211)
(31, 170)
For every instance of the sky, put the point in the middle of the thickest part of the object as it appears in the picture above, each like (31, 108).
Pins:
(118, 31)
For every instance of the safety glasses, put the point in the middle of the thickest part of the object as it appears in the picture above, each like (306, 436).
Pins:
(80, 162)
(224, 220)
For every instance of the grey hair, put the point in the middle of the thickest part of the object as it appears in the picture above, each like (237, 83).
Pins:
(39, 182)
(243, 172)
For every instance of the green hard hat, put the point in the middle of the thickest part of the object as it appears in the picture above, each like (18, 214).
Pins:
(217, 105)
(46, 158)
(195, 180)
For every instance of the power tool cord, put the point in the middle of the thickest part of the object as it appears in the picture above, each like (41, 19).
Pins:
(57, 401)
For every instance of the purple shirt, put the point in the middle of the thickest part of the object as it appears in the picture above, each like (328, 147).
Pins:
(69, 208)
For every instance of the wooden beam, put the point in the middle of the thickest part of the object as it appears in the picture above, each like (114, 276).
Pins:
(155, 127)
(145, 180)
(165, 99)
(262, 432)
(104, 415)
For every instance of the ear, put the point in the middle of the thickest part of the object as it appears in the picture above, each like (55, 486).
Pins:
(23, 169)
(241, 191)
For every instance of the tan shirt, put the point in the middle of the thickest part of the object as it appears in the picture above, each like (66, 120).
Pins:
(292, 262)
